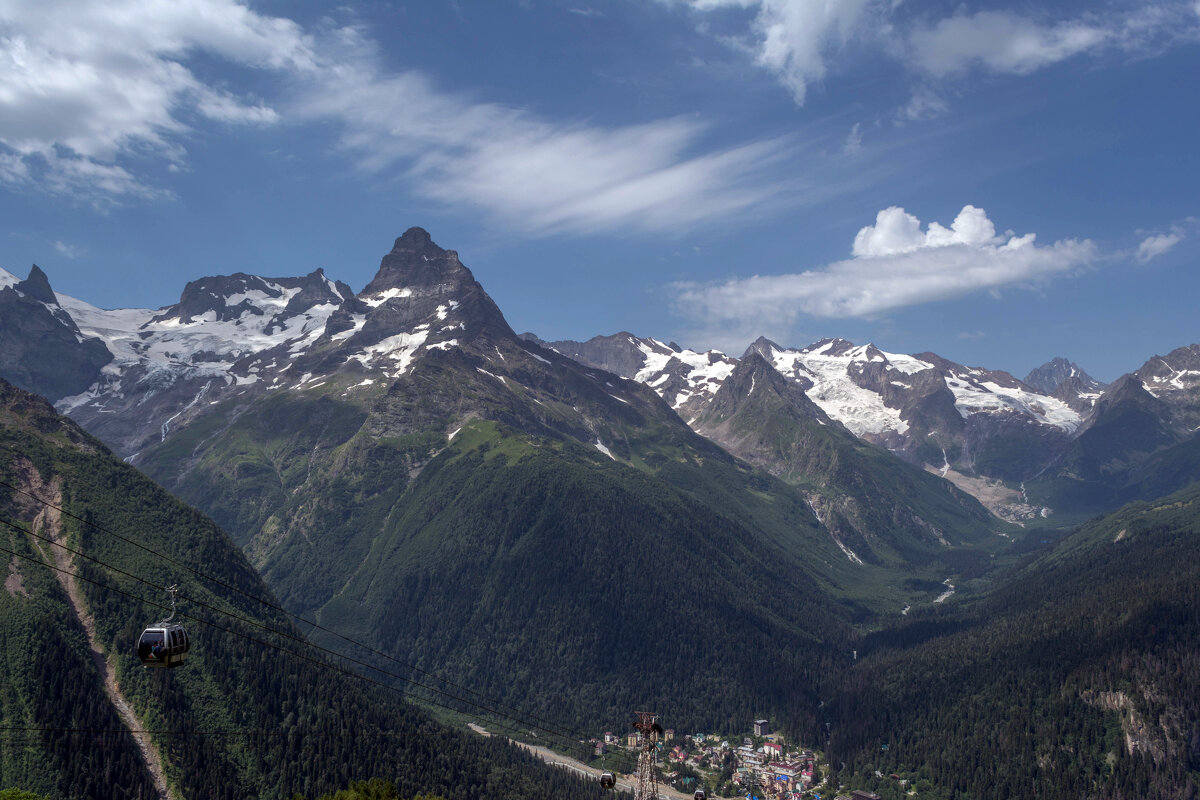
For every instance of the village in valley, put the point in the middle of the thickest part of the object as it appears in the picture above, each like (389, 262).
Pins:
(728, 766)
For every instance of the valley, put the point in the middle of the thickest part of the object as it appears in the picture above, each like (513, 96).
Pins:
(849, 541)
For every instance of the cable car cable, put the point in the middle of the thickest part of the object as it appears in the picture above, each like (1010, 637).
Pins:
(249, 732)
(316, 661)
(210, 623)
(310, 659)
(270, 604)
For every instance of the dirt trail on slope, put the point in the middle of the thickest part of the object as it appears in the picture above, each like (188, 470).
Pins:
(48, 522)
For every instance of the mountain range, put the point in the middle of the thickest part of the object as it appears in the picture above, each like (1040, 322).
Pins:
(1050, 442)
(580, 528)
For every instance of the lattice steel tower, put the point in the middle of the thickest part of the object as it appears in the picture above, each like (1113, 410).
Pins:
(649, 732)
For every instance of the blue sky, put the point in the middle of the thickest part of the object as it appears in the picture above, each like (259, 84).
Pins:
(999, 183)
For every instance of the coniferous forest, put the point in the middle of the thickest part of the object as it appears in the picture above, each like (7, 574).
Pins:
(243, 717)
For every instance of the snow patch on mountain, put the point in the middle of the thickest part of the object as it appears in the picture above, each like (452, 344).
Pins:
(378, 299)
(860, 410)
(973, 395)
(400, 349)
(703, 373)
(1175, 380)
(203, 343)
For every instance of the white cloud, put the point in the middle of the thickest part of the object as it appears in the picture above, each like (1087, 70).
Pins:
(796, 40)
(999, 42)
(895, 264)
(1154, 246)
(89, 91)
(532, 174)
(70, 251)
(853, 143)
(792, 38)
(896, 231)
(1007, 43)
(83, 84)
(925, 103)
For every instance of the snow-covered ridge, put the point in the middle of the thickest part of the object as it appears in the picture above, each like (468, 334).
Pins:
(144, 336)
(973, 393)
(702, 373)
(254, 333)
(7, 278)
(861, 410)
(861, 386)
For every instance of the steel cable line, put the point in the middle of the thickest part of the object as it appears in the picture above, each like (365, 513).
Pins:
(314, 625)
(500, 718)
(319, 662)
(164, 732)
(285, 634)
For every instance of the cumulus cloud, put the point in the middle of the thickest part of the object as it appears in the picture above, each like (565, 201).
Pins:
(1154, 246)
(895, 263)
(896, 231)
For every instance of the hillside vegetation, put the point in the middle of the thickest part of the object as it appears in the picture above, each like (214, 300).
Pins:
(241, 718)
(1075, 678)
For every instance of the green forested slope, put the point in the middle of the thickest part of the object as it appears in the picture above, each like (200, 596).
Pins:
(582, 588)
(1077, 678)
(471, 521)
(240, 719)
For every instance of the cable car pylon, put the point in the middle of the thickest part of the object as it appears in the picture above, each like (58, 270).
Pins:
(649, 732)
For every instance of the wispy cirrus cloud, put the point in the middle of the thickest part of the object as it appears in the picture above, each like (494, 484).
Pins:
(91, 94)
(71, 251)
(1154, 246)
(1000, 42)
(895, 263)
(535, 175)
(1005, 42)
(796, 40)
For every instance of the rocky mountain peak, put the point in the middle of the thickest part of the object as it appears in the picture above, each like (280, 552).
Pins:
(763, 346)
(415, 261)
(1049, 377)
(37, 286)
(415, 239)
(41, 347)
(830, 347)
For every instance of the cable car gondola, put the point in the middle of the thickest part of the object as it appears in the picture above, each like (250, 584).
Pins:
(700, 795)
(607, 780)
(164, 644)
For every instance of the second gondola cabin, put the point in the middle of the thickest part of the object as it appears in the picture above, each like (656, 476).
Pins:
(163, 645)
